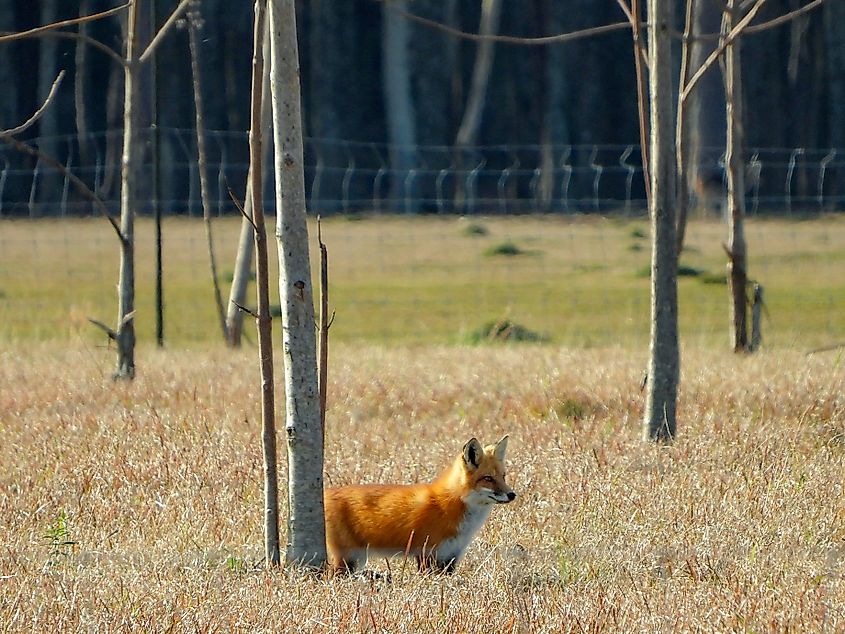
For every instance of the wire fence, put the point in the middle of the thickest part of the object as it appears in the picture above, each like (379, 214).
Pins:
(350, 177)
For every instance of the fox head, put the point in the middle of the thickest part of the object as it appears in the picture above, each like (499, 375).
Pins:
(484, 469)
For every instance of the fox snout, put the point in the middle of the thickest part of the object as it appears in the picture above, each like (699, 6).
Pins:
(510, 497)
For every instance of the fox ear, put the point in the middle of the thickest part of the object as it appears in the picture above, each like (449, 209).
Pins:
(472, 453)
(500, 448)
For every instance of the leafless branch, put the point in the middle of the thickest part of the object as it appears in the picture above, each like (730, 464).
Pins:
(177, 13)
(111, 333)
(786, 17)
(246, 310)
(57, 25)
(711, 59)
(79, 184)
(240, 207)
(37, 114)
(640, 63)
(510, 39)
(70, 35)
(323, 346)
(763, 26)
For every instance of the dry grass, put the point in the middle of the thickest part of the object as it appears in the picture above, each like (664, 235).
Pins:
(740, 526)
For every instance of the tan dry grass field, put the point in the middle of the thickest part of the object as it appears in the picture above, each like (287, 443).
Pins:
(137, 507)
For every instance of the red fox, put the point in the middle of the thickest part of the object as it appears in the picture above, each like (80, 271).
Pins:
(433, 522)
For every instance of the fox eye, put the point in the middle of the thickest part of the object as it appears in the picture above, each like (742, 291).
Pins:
(489, 479)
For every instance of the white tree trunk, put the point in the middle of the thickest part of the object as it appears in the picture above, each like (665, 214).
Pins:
(396, 70)
(663, 368)
(128, 197)
(306, 528)
(738, 254)
(243, 260)
(194, 19)
(491, 11)
(272, 551)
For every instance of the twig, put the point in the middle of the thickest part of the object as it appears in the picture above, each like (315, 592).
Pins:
(37, 114)
(245, 309)
(324, 325)
(57, 25)
(711, 59)
(111, 333)
(240, 206)
(640, 62)
(69, 35)
(177, 12)
(511, 39)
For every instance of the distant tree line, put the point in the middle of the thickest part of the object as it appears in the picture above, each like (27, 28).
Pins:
(578, 92)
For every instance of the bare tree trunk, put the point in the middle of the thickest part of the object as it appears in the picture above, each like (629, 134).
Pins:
(663, 369)
(129, 180)
(272, 550)
(471, 123)
(80, 78)
(306, 523)
(399, 104)
(113, 115)
(194, 19)
(703, 112)
(737, 251)
(243, 260)
(682, 153)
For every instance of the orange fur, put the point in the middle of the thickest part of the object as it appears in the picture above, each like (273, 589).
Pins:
(432, 522)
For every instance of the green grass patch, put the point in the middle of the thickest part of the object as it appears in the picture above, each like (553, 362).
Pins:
(507, 248)
(507, 331)
(475, 230)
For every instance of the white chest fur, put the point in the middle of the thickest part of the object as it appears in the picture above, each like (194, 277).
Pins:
(454, 548)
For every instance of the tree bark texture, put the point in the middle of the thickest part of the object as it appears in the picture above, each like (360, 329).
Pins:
(194, 19)
(664, 362)
(737, 250)
(272, 550)
(128, 199)
(243, 260)
(306, 528)
(705, 113)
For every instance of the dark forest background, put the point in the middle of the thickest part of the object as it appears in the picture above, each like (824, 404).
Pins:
(575, 93)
